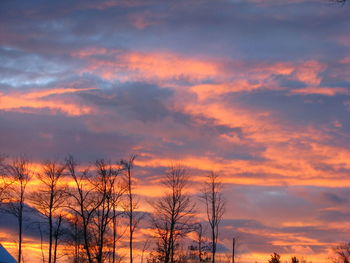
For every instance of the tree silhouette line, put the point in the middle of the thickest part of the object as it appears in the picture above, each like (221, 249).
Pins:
(82, 210)
(85, 211)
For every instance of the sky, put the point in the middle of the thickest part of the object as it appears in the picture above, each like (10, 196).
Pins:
(256, 90)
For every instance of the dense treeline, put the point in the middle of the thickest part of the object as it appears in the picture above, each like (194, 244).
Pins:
(88, 212)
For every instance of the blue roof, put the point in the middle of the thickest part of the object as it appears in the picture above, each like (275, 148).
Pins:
(5, 256)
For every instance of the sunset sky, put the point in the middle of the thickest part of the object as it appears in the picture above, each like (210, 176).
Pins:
(256, 90)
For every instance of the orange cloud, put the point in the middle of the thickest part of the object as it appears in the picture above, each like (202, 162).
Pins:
(138, 65)
(308, 72)
(321, 91)
(165, 65)
(19, 101)
(285, 161)
(292, 153)
(44, 93)
(229, 75)
(281, 170)
(207, 91)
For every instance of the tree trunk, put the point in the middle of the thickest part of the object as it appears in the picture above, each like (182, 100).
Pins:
(213, 224)
(131, 213)
(233, 249)
(86, 242)
(50, 234)
(57, 234)
(213, 246)
(114, 234)
(20, 225)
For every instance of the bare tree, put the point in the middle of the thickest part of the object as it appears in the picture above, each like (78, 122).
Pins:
(6, 179)
(215, 207)
(94, 202)
(342, 253)
(57, 234)
(74, 238)
(82, 202)
(48, 200)
(200, 242)
(2, 189)
(275, 258)
(146, 245)
(200, 246)
(172, 214)
(118, 190)
(2, 180)
(20, 173)
(131, 203)
(106, 199)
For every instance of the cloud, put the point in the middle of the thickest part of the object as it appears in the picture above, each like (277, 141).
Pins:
(321, 91)
(126, 66)
(23, 101)
(255, 90)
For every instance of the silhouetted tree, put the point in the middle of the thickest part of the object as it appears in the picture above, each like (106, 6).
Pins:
(172, 215)
(299, 260)
(131, 203)
(82, 202)
(200, 248)
(74, 238)
(104, 184)
(235, 245)
(118, 189)
(94, 201)
(20, 173)
(275, 258)
(48, 200)
(2, 190)
(3, 181)
(342, 253)
(58, 232)
(215, 207)
(146, 245)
